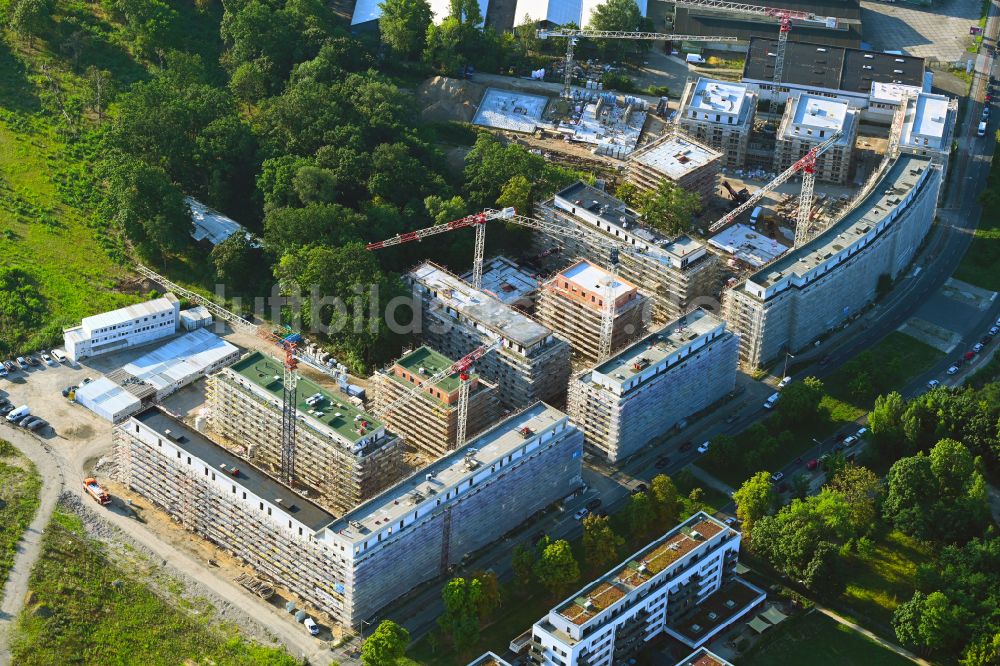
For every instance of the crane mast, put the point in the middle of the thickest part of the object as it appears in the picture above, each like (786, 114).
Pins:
(808, 159)
(572, 36)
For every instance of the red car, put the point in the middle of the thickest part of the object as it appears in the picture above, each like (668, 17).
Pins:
(969, 355)
(812, 464)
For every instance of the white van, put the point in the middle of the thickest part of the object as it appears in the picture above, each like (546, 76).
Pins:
(770, 402)
(18, 413)
(59, 355)
(982, 129)
(755, 215)
(695, 59)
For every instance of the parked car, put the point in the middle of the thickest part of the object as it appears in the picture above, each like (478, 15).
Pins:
(17, 420)
(969, 355)
(581, 514)
(59, 355)
(850, 441)
(594, 504)
(9, 366)
(640, 488)
(731, 521)
(48, 359)
(6, 409)
(978, 347)
(986, 339)
(933, 384)
(86, 380)
(37, 425)
(22, 363)
(812, 464)
(785, 381)
(703, 448)
(994, 330)
(33, 361)
(861, 432)
(25, 423)
(777, 477)
(953, 369)
(311, 626)
(3, 370)
(661, 462)
(771, 401)
(686, 446)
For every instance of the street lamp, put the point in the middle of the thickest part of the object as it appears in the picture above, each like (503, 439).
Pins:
(363, 623)
(784, 372)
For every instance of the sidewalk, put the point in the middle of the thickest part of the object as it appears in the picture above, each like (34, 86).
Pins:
(881, 641)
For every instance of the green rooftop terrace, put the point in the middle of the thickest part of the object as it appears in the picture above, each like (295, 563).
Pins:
(432, 362)
(268, 373)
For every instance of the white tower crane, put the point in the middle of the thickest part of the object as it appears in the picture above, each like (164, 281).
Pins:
(509, 215)
(785, 18)
(572, 36)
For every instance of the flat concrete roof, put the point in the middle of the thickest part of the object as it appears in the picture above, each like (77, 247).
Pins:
(703, 657)
(479, 306)
(898, 181)
(268, 373)
(657, 346)
(251, 478)
(106, 396)
(820, 65)
(448, 472)
(891, 92)
(675, 156)
(820, 112)
(594, 278)
(680, 542)
(747, 245)
(505, 280)
(715, 96)
(926, 123)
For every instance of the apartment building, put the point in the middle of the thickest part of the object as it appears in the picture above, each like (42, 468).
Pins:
(510, 283)
(808, 121)
(428, 422)
(814, 288)
(720, 114)
(683, 584)
(653, 385)
(572, 304)
(677, 273)
(680, 159)
(531, 365)
(350, 568)
(489, 659)
(703, 657)
(124, 328)
(343, 455)
(928, 128)
(459, 504)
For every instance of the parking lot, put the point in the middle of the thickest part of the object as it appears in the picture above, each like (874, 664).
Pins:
(940, 31)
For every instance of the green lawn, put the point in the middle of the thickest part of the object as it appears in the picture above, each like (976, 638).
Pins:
(817, 640)
(981, 264)
(84, 608)
(879, 583)
(887, 366)
(20, 485)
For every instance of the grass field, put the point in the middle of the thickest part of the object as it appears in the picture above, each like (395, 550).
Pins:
(882, 581)
(981, 264)
(817, 640)
(887, 366)
(19, 489)
(83, 608)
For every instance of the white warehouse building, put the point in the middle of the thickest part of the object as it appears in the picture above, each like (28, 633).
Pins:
(127, 327)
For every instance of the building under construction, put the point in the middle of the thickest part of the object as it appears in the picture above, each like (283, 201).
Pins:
(342, 455)
(721, 114)
(531, 365)
(677, 273)
(808, 121)
(811, 290)
(350, 568)
(572, 304)
(654, 384)
(428, 422)
(678, 158)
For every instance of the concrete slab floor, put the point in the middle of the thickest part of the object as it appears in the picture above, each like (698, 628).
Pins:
(940, 338)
